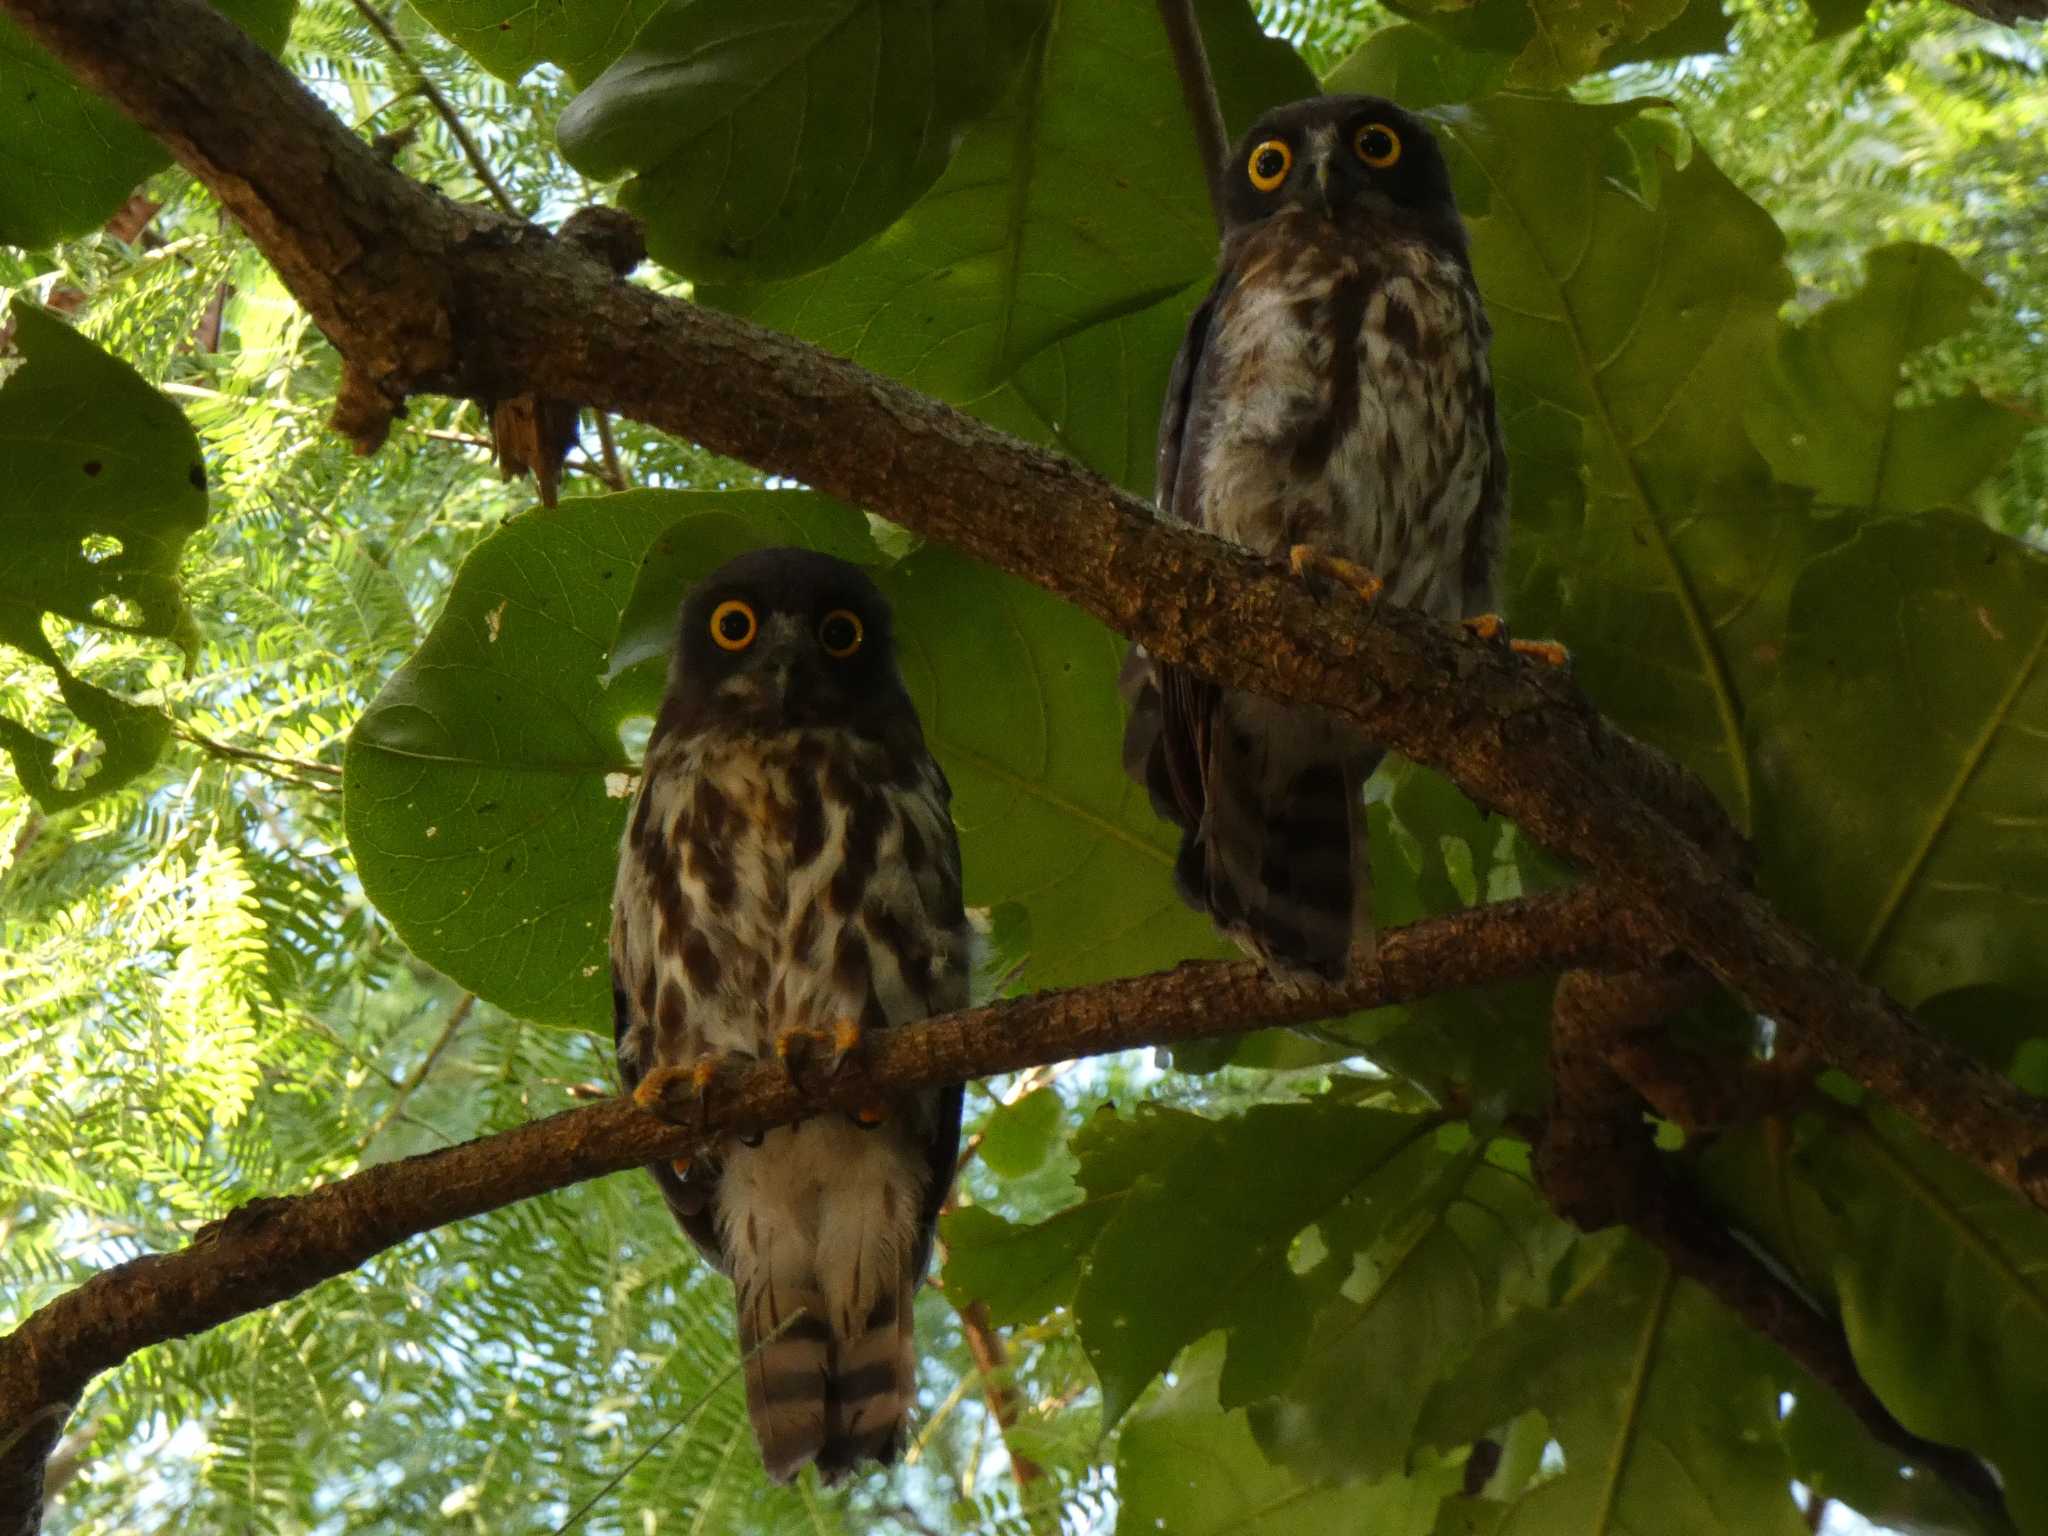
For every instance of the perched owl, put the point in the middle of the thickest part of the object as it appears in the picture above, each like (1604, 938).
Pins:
(790, 878)
(1333, 401)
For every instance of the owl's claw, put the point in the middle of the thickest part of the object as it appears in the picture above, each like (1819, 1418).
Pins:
(1310, 563)
(793, 1047)
(1491, 627)
(680, 1095)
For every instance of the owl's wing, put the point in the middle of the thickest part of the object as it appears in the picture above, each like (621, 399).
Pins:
(1172, 710)
(691, 1196)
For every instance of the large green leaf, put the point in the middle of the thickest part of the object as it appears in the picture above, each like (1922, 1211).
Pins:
(1631, 301)
(1541, 45)
(767, 143)
(1187, 1467)
(1906, 810)
(1432, 1251)
(105, 484)
(486, 784)
(509, 37)
(1665, 1406)
(1827, 412)
(71, 158)
(1044, 282)
(1202, 1242)
(1942, 1280)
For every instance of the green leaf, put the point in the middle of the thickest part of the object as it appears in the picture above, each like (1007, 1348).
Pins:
(1631, 301)
(510, 37)
(1666, 1408)
(1186, 1467)
(1202, 1242)
(1023, 1273)
(71, 158)
(1434, 1250)
(486, 785)
(1942, 1279)
(1045, 281)
(767, 143)
(1837, 1458)
(1542, 45)
(107, 483)
(1409, 63)
(1047, 819)
(1905, 821)
(1827, 413)
(1017, 1138)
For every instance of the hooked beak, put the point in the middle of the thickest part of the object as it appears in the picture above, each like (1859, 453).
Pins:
(1322, 168)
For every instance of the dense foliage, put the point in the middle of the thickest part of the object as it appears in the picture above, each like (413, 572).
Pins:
(318, 764)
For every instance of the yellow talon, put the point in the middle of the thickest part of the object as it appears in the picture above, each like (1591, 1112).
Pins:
(1550, 652)
(1306, 560)
(872, 1115)
(1487, 626)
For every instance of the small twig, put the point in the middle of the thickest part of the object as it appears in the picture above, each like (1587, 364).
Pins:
(250, 755)
(1198, 90)
(443, 108)
(992, 1362)
(613, 475)
(456, 1016)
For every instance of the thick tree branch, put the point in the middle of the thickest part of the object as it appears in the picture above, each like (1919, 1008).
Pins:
(422, 295)
(272, 1249)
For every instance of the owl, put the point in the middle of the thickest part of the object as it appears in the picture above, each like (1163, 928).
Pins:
(1332, 401)
(788, 881)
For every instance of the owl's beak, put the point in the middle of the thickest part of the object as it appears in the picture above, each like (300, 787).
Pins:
(1322, 167)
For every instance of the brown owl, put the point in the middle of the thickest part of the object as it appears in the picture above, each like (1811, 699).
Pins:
(1332, 401)
(790, 877)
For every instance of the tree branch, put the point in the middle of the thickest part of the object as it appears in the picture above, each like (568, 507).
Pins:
(420, 294)
(1198, 90)
(272, 1249)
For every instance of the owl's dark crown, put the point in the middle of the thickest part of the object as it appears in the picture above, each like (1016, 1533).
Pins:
(1347, 159)
(781, 639)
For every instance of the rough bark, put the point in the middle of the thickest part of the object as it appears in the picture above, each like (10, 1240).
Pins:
(272, 1249)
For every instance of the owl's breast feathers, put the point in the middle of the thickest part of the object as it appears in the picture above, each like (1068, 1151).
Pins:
(1343, 398)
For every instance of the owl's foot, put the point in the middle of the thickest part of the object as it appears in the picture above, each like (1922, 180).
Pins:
(1490, 626)
(679, 1095)
(1311, 564)
(795, 1047)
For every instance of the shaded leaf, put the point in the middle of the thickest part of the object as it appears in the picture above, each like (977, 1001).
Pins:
(1044, 282)
(1666, 1408)
(767, 143)
(1631, 300)
(1024, 1273)
(509, 37)
(1827, 412)
(1202, 1241)
(1186, 1467)
(71, 158)
(1409, 63)
(1906, 812)
(106, 483)
(1432, 1252)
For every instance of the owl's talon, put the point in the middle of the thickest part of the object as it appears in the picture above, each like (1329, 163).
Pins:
(1487, 626)
(1308, 563)
(1550, 652)
(871, 1116)
(846, 1039)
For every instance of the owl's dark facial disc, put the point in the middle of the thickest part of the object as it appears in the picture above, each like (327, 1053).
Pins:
(782, 639)
(1343, 159)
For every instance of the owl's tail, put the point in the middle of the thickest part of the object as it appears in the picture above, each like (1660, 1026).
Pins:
(836, 1392)
(1280, 859)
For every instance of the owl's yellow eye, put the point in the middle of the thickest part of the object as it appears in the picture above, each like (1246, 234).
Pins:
(841, 633)
(1268, 164)
(732, 625)
(1377, 145)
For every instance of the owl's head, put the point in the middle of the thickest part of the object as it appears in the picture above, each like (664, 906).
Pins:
(782, 638)
(1341, 158)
